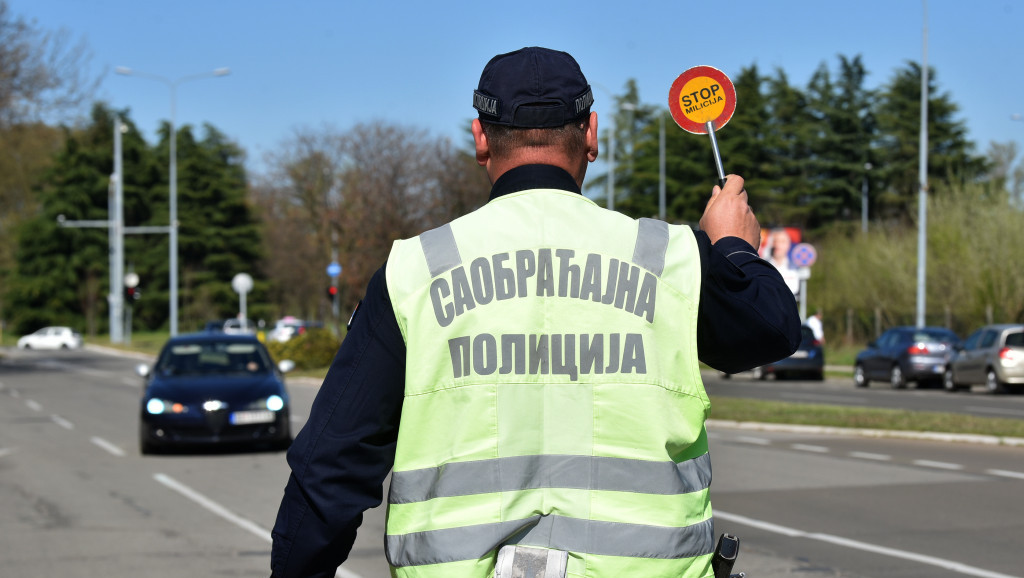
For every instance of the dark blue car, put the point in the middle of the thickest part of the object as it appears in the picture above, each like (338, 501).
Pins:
(905, 355)
(808, 361)
(214, 388)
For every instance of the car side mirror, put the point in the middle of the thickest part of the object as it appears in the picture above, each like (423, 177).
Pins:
(142, 369)
(286, 365)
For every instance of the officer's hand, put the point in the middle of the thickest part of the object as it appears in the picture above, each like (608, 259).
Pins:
(729, 215)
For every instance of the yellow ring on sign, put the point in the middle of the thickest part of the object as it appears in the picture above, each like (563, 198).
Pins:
(702, 99)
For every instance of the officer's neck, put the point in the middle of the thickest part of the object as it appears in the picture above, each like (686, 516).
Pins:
(577, 168)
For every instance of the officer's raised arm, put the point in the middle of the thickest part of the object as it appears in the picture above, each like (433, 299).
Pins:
(747, 315)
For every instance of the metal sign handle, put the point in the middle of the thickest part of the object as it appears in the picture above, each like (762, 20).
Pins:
(714, 150)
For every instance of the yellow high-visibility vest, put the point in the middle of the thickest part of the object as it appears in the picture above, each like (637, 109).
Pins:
(552, 393)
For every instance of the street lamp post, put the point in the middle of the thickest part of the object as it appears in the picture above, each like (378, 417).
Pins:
(864, 200)
(173, 204)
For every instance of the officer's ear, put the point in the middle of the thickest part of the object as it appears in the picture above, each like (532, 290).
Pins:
(592, 137)
(483, 150)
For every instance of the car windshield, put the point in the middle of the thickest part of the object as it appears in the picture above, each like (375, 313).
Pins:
(213, 358)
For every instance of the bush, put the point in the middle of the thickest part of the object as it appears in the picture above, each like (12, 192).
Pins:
(313, 349)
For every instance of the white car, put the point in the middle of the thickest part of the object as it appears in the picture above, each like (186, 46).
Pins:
(285, 329)
(51, 338)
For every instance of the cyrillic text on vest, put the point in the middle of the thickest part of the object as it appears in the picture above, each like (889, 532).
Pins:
(564, 354)
(555, 273)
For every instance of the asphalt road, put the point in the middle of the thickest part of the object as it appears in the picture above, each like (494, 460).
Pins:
(78, 499)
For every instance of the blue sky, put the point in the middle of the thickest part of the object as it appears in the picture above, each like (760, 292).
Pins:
(309, 63)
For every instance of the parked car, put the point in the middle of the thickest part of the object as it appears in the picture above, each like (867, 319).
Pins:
(51, 338)
(231, 326)
(213, 388)
(906, 354)
(992, 355)
(289, 327)
(808, 360)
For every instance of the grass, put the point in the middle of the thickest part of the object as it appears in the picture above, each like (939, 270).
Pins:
(738, 409)
(842, 354)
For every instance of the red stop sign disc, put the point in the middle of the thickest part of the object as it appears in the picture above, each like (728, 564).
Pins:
(701, 95)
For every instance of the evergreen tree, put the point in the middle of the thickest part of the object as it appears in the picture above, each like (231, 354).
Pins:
(950, 153)
(62, 273)
(787, 143)
(845, 126)
(218, 235)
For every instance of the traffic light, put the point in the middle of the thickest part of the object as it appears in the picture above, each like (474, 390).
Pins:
(132, 294)
(332, 292)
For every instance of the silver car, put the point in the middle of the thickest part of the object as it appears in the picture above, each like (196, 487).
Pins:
(992, 355)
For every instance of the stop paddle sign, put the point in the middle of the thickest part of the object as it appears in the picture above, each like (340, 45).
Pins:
(701, 101)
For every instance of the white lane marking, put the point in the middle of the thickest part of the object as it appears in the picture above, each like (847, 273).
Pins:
(62, 422)
(937, 465)
(995, 410)
(950, 565)
(33, 405)
(1006, 474)
(109, 447)
(810, 448)
(5, 452)
(870, 456)
(227, 514)
(755, 441)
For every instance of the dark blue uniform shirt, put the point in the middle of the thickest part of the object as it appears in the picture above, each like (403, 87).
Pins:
(747, 317)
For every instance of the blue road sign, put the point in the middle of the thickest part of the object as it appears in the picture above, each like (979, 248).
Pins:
(803, 255)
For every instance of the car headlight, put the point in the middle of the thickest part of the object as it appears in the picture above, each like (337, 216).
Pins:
(275, 403)
(160, 406)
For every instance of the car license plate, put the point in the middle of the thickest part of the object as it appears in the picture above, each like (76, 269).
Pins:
(248, 417)
(799, 354)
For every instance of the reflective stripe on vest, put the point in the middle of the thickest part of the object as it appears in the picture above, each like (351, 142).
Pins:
(547, 471)
(442, 253)
(558, 532)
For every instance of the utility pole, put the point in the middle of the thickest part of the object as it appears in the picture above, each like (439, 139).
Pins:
(922, 177)
(116, 230)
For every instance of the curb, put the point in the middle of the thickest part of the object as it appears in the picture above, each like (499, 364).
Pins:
(874, 433)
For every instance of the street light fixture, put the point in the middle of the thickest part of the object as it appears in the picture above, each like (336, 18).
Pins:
(173, 232)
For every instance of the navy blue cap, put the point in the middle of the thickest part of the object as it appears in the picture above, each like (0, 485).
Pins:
(533, 88)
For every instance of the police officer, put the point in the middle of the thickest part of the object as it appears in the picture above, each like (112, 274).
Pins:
(529, 372)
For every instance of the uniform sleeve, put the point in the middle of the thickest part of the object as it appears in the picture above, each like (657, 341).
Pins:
(747, 315)
(340, 458)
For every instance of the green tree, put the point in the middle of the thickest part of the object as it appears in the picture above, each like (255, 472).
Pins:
(844, 123)
(62, 274)
(218, 236)
(43, 78)
(950, 154)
